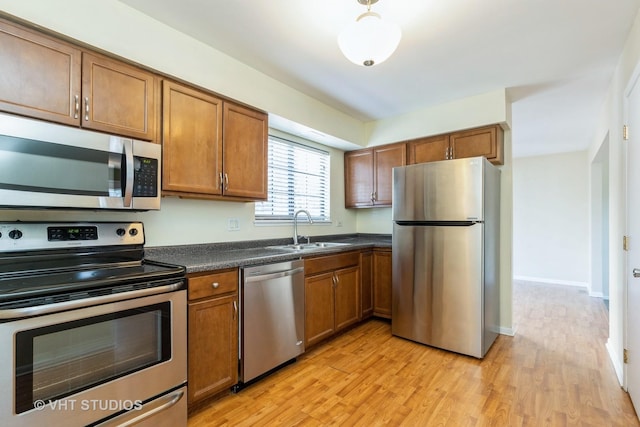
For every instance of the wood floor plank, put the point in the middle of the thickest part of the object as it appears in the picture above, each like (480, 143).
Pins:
(554, 372)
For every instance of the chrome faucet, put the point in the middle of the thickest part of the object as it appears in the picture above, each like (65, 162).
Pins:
(295, 225)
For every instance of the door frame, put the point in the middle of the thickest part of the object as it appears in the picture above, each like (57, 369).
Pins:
(634, 81)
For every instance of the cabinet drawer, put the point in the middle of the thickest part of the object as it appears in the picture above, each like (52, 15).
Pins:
(320, 264)
(202, 285)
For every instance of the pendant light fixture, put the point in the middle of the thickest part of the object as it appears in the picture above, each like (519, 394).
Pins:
(369, 40)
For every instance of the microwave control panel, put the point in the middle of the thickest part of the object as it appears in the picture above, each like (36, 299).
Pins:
(145, 177)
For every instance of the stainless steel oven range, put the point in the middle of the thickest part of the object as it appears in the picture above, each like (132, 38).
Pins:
(91, 333)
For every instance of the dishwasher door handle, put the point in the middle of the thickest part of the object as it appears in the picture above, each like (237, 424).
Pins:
(275, 275)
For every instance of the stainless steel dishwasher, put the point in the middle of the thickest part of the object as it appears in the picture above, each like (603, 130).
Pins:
(272, 317)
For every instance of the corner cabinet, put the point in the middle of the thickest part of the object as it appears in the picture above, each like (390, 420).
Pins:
(332, 295)
(368, 175)
(212, 341)
(487, 141)
(52, 80)
(212, 148)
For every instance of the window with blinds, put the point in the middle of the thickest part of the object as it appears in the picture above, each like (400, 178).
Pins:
(298, 178)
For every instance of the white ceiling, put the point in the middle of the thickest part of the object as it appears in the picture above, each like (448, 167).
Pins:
(555, 57)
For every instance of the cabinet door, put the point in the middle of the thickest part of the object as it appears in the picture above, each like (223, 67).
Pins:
(358, 175)
(430, 149)
(486, 141)
(40, 76)
(366, 283)
(212, 347)
(118, 98)
(382, 283)
(347, 297)
(191, 140)
(245, 152)
(318, 308)
(385, 159)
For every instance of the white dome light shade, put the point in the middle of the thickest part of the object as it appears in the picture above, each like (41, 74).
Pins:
(369, 40)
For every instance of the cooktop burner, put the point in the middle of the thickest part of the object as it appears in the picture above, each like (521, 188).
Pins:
(46, 259)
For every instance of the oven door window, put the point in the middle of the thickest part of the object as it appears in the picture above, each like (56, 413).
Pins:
(56, 361)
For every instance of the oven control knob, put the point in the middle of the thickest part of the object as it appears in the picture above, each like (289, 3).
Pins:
(133, 232)
(15, 234)
(120, 232)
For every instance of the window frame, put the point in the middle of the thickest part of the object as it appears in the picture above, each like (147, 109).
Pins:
(292, 206)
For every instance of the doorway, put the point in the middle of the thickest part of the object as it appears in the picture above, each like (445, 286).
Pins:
(599, 284)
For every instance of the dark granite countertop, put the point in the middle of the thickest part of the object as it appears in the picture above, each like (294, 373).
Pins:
(216, 256)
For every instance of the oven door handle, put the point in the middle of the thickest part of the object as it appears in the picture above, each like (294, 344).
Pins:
(16, 313)
(150, 408)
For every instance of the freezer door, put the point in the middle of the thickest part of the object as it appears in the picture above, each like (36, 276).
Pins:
(450, 190)
(437, 291)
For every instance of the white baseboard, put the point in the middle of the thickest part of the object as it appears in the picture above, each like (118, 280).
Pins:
(507, 331)
(596, 294)
(551, 281)
(617, 365)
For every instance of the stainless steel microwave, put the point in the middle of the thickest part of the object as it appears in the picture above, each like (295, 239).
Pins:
(44, 165)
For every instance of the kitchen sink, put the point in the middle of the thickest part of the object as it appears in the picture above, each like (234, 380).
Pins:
(310, 246)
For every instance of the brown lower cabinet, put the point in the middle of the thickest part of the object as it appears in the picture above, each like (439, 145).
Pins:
(382, 283)
(366, 283)
(332, 295)
(212, 333)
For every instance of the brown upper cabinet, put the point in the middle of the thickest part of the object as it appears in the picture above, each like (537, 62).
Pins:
(487, 141)
(212, 148)
(368, 175)
(49, 79)
(244, 153)
(118, 98)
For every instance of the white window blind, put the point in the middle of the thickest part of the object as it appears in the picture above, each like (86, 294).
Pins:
(298, 178)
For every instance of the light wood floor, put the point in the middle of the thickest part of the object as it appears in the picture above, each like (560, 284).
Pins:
(554, 372)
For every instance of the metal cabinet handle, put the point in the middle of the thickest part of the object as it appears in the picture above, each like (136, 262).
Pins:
(636, 272)
(86, 108)
(235, 309)
(76, 111)
(226, 181)
(215, 285)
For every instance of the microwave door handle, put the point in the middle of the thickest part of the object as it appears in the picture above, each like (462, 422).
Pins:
(128, 189)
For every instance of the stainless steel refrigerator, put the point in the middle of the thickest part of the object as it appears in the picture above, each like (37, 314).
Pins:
(446, 224)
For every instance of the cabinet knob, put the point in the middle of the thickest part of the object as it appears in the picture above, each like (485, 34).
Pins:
(215, 285)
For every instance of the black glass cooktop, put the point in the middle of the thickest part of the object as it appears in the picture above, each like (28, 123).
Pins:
(41, 274)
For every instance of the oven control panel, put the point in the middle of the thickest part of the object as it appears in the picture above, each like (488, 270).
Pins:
(19, 236)
(66, 233)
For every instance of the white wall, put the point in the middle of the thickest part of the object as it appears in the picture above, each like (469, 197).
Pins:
(611, 121)
(551, 218)
(474, 111)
